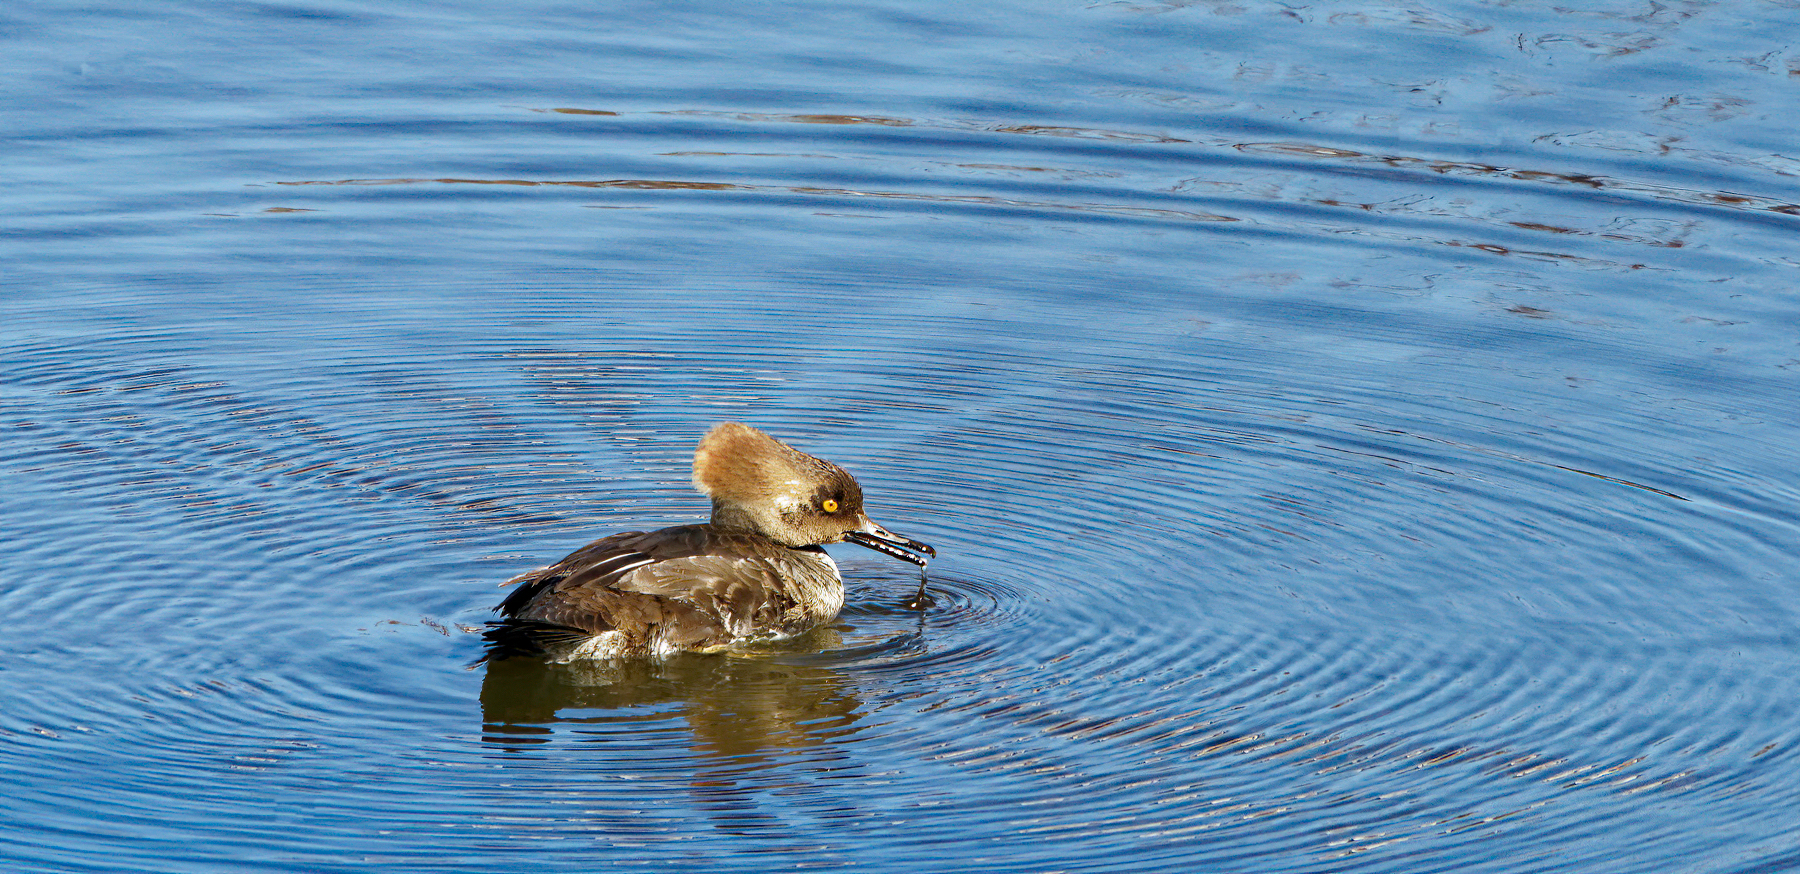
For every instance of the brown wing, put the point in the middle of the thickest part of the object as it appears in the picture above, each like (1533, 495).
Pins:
(695, 585)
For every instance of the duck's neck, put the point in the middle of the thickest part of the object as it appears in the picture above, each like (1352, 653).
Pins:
(730, 516)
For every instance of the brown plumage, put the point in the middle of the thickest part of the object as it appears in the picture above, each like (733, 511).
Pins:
(755, 571)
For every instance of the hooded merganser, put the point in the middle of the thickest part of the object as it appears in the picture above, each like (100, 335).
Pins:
(756, 571)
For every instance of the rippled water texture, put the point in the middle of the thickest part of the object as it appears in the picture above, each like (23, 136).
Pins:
(1356, 437)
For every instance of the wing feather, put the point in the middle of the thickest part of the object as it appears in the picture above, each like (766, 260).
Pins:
(690, 587)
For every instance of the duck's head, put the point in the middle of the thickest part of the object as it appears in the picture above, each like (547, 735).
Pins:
(762, 484)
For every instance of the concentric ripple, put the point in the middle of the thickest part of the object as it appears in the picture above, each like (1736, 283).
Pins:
(1134, 683)
(1355, 439)
(1176, 617)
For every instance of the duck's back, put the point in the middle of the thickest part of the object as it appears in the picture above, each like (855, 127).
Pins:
(694, 587)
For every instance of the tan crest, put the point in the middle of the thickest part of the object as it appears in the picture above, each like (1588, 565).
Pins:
(738, 464)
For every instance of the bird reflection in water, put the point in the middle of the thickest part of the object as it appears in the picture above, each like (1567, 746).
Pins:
(734, 705)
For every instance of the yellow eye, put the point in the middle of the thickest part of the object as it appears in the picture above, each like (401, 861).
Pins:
(828, 505)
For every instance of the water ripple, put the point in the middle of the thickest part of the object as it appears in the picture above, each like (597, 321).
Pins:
(1334, 465)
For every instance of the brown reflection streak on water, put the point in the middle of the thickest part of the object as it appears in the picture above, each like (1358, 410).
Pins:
(1304, 150)
(1042, 130)
(1494, 249)
(1465, 168)
(1085, 133)
(667, 184)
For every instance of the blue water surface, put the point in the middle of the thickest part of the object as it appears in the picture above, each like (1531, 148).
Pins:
(1357, 437)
